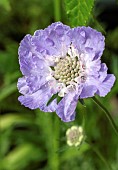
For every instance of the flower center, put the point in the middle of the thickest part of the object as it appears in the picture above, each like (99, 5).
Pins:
(67, 69)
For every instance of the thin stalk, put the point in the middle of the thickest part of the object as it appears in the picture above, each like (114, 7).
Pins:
(107, 114)
(57, 9)
(84, 120)
(99, 155)
(56, 132)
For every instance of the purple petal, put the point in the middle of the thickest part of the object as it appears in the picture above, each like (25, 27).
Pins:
(39, 99)
(103, 72)
(53, 40)
(37, 74)
(105, 86)
(66, 107)
(39, 33)
(58, 27)
(26, 55)
(88, 40)
(92, 67)
(22, 86)
(88, 91)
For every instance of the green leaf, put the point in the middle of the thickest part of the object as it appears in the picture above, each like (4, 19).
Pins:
(52, 98)
(11, 119)
(5, 4)
(59, 99)
(79, 11)
(7, 91)
(21, 156)
(82, 102)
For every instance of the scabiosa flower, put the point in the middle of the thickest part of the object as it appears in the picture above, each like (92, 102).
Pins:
(63, 61)
(75, 136)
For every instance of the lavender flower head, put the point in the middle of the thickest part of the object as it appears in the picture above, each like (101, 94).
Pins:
(64, 61)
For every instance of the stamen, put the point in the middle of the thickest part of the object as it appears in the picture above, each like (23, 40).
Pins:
(67, 69)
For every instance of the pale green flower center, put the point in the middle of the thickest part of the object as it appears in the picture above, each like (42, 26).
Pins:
(67, 69)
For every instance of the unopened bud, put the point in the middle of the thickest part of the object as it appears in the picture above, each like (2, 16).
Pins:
(75, 135)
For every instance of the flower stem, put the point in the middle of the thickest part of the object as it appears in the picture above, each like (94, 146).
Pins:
(107, 114)
(57, 14)
(99, 155)
(84, 120)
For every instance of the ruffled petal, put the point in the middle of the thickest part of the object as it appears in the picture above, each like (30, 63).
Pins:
(105, 86)
(25, 54)
(103, 72)
(88, 40)
(102, 84)
(66, 107)
(22, 86)
(53, 41)
(38, 74)
(88, 91)
(92, 66)
(59, 27)
(94, 41)
(39, 99)
(40, 33)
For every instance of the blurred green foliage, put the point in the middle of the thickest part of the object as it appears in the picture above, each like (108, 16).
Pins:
(33, 140)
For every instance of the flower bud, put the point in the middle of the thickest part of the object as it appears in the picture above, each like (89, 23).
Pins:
(75, 135)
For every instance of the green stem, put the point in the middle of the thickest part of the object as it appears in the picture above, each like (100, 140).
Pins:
(50, 129)
(84, 120)
(107, 114)
(56, 133)
(99, 155)
(57, 14)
